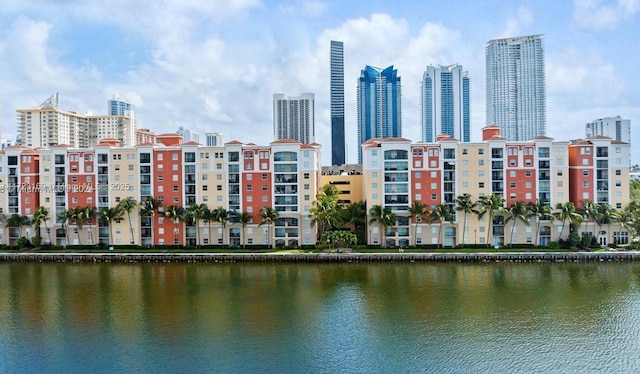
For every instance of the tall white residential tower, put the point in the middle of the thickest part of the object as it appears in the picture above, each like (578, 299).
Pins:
(611, 127)
(516, 93)
(293, 117)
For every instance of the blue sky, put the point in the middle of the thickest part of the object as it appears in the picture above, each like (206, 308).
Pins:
(214, 65)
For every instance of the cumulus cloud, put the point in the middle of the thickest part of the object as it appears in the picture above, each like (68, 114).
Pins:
(515, 24)
(593, 14)
(581, 86)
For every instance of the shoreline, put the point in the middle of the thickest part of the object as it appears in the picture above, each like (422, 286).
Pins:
(481, 257)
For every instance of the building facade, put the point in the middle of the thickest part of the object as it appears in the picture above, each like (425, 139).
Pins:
(213, 139)
(188, 135)
(516, 89)
(397, 172)
(338, 146)
(612, 127)
(283, 175)
(48, 125)
(446, 103)
(379, 105)
(293, 117)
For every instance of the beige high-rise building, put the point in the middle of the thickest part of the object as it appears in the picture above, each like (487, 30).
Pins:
(48, 125)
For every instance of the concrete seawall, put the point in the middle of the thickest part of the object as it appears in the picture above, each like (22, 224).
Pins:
(323, 257)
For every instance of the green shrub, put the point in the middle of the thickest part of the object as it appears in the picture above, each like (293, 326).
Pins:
(553, 245)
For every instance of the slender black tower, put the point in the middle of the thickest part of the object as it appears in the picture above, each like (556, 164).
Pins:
(337, 104)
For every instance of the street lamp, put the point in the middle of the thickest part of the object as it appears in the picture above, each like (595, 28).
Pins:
(475, 236)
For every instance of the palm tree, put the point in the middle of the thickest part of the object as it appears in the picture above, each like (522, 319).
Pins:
(324, 213)
(384, 217)
(90, 213)
(605, 215)
(108, 216)
(540, 210)
(128, 205)
(269, 216)
(517, 212)
(417, 211)
(15, 221)
(355, 215)
(590, 210)
(41, 215)
(176, 214)
(208, 217)
(3, 219)
(243, 218)
(221, 216)
(63, 218)
(491, 205)
(442, 213)
(567, 212)
(148, 209)
(466, 205)
(625, 218)
(197, 212)
(76, 215)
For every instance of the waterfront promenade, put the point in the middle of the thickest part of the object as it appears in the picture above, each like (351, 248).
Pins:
(480, 257)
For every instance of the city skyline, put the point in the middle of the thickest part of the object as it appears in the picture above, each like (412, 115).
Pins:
(284, 47)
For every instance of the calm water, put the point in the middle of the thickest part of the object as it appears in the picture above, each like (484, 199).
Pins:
(393, 318)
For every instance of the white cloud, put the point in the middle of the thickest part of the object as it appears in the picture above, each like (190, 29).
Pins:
(304, 7)
(593, 14)
(515, 24)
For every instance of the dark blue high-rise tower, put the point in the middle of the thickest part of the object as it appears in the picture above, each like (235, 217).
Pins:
(337, 104)
(379, 105)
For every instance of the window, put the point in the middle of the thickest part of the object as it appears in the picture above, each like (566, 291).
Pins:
(205, 187)
(306, 176)
(434, 196)
(585, 184)
(480, 162)
(480, 184)
(219, 187)
(585, 172)
(480, 151)
(618, 172)
(249, 187)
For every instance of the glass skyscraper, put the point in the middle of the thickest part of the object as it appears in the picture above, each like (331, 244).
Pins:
(445, 103)
(379, 105)
(516, 94)
(117, 106)
(337, 103)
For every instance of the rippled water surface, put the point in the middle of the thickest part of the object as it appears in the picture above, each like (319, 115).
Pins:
(350, 318)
